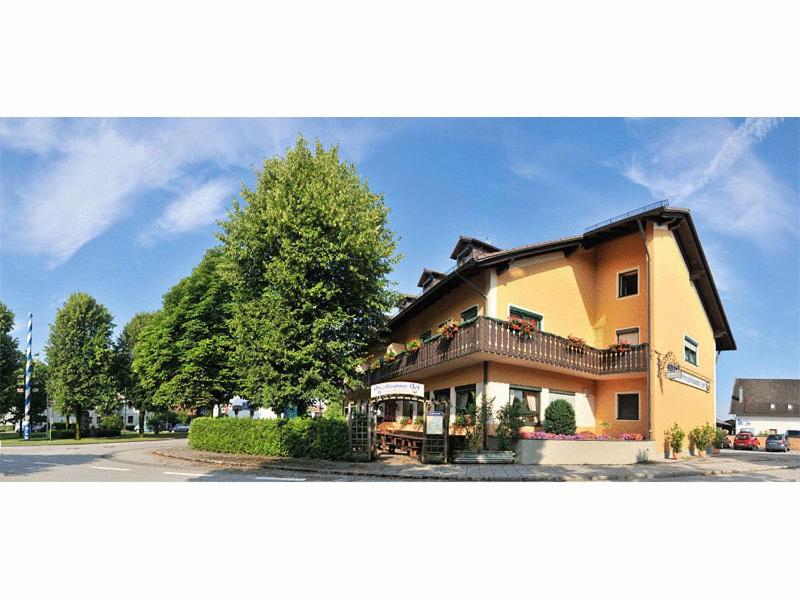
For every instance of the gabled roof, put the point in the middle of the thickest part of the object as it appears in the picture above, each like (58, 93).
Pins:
(428, 274)
(464, 241)
(679, 221)
(761, 394)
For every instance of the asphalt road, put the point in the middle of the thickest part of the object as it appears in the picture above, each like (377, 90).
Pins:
(133, 461)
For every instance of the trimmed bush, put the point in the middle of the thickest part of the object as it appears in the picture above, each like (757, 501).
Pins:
(60, 434)
(296, 438)
(559, 418)
(111, 423)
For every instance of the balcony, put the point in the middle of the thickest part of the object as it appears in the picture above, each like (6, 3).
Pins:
(490, 339)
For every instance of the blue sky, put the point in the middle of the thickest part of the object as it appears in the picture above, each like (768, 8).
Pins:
(123, 208)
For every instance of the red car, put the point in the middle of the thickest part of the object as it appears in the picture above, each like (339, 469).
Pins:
(746, 441)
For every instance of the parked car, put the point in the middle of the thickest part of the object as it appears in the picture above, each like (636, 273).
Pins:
(726, 443)
(39, 427)
(180, 428)
(746, 441)
(777, 442)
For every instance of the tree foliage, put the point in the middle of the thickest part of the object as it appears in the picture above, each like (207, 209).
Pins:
(79, 357)
(129, 384)
(308, 252)
(10, 361)
(183, 354)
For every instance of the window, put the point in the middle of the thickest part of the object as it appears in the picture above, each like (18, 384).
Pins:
(130, 418)
(527, 400)
(628, 335)
(628, 284)
(772, 407)
(515, 312)
(440, 397)
(469, 314)
(465, 399)
(690, 350)
(425, 335)
(628, 407)
(465, 255)
(408, 408)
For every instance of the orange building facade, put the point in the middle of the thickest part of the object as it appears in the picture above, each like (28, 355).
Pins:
(623, 321)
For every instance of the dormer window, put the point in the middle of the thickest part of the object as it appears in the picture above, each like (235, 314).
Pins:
(468, 248)
(464, 256)
(429, 278)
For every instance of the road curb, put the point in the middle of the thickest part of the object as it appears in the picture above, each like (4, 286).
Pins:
(435, 477)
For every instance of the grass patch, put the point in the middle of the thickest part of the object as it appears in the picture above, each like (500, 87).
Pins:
(7, 442)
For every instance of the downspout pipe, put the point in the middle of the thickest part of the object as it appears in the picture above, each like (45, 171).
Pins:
(649, 333)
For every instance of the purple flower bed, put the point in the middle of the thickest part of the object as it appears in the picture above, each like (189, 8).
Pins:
(582, 437)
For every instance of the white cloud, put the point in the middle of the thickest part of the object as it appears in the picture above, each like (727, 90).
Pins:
(200, 207)
(88, 173)
(526, 170)
(710, 166)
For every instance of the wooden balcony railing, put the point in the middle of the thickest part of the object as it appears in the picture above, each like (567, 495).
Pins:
(493, 336)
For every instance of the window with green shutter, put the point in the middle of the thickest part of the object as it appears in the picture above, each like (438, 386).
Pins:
(469, 314)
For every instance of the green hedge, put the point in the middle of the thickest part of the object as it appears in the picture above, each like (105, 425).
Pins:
(297, 438)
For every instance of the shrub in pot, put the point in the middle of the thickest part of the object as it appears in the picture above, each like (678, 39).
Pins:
(559, 417)
(509, 422)
(674, 437)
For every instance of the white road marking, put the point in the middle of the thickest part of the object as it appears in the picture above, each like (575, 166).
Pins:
(280, 478)
(36, 462)
(186, 474)
(7, 460)
(109, 468)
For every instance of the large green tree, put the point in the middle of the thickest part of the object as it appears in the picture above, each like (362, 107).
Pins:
(129, 384)
(183, 355)
(10, 362)
(308, 252)
(80, 358)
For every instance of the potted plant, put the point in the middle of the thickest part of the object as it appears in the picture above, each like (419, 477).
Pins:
(620, 346)
(449, 330)
(674, 437)
(521, 327)
(696, 447)
(606, 427)
(576, 344)
(719, 440)
(709, 436)
(414, 345)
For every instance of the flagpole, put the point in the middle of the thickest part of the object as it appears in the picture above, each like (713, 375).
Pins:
(26, 427)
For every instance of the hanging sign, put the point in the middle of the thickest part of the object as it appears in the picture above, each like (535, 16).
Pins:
(434, 423)
(675, 373)
(392, 388)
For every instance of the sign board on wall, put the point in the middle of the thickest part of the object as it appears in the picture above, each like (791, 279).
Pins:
(405, 388)
(434, 423)
(675, 373)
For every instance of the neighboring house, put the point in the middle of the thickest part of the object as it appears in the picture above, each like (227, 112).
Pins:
(607, 286)
(760, 405)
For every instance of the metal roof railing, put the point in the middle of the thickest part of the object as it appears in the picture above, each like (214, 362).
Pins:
(628, 215)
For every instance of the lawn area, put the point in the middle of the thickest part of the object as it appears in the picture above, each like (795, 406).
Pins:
(8, 439)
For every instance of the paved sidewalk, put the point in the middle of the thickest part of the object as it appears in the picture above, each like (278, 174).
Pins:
(402, 468)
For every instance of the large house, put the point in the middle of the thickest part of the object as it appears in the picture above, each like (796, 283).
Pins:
(622, 321)
(766, 405)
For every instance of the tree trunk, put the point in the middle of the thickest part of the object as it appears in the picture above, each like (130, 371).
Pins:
(78, 424)
(141, 422)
